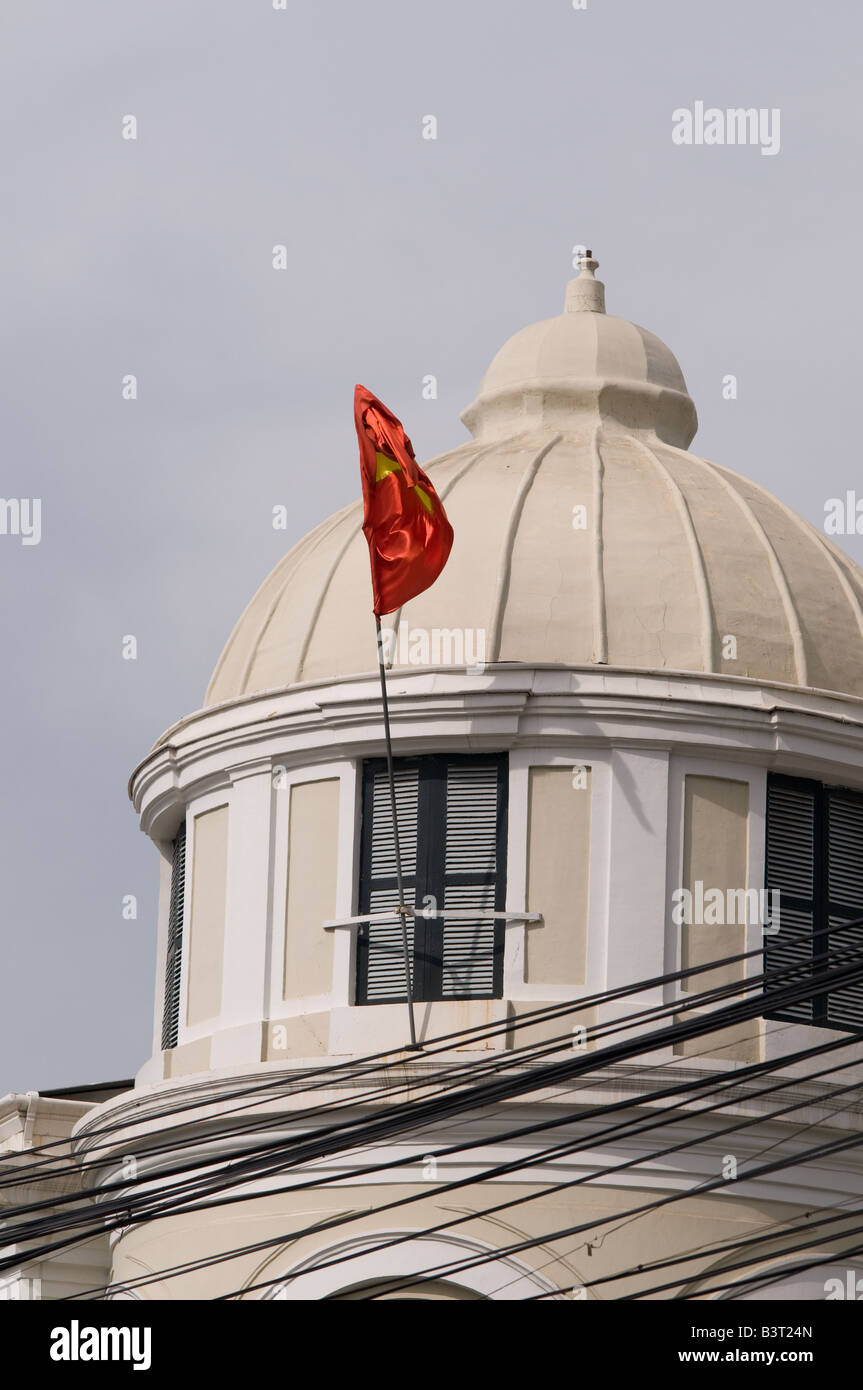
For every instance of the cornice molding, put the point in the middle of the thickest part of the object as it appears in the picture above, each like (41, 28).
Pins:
(510, 707)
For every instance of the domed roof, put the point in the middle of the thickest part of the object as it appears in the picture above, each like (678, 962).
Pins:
(584, 359)
(585, 534)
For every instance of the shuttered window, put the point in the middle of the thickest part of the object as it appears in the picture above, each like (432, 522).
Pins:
(452, 835)
(174, 958)
(815, 860)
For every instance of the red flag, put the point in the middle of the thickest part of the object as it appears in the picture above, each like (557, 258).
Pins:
(404, 521)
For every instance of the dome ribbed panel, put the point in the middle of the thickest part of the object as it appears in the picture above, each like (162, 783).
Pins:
(559, 353)
(681, 503)
(653, 614)
(235, 671)
(280, 641)
(852, 578)
(662, 368)
(678, 556)
(825, 617)
(549, 614)
(343, 636)
(620, 350)
(747, 605)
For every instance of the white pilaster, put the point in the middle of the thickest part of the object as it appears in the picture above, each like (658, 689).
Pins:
(247, 919)
(637, 867)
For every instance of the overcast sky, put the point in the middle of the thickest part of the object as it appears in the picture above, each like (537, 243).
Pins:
(260, 126)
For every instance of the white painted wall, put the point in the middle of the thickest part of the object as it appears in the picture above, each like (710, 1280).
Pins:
(641, 735)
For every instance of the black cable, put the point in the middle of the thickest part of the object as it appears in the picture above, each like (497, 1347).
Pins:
(609, 1171)
(479, 1032)
(169, 1205)
(742, 1264)
(439, 1271)
(773, 1235)
(569, 1069)
(617, 1025)
(625, 1129)
(417, 1111)
(588, 1086)
(763, 1281)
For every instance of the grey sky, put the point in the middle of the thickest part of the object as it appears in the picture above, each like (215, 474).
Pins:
(407, 256)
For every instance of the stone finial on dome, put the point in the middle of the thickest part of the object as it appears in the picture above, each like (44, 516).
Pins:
(585, 294)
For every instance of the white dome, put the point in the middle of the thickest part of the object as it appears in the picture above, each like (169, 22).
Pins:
(584, 359)
(670, 557)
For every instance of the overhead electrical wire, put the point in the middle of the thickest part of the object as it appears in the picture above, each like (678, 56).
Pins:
(320, 1074)
(771, 1236)
(562, 1041)
(621, 1225)
(517, 1085)
(765, 1279)
(418, 1110)
(625, 1129)
(503, 1252)
(599, 1173)
(714, 1022)
(728, 1081)
(586, 1086)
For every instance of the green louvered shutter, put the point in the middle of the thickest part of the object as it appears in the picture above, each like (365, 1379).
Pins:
(452, 831)
(845, 901)
(793, 869)
(815, 860)
(174, 959)
(471, 952)
(380, 945)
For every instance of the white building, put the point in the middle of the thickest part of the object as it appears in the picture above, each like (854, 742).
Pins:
(639, 672)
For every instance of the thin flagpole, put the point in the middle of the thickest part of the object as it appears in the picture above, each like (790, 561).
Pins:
(402, 909)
